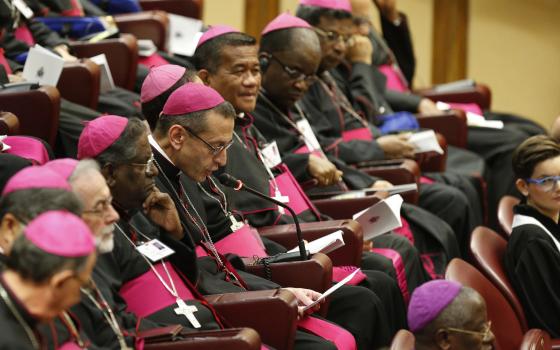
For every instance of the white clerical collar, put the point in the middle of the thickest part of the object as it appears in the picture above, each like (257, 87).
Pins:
(241, 115)
(155, 145)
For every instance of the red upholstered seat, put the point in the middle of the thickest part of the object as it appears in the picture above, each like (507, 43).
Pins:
(505, 213)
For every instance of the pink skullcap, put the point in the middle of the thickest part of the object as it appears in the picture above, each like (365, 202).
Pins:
(63, 167)
(343, 5)
(285, 21)
(190, 98)
(429, 300)
(99, 134)
(159, 80)
(60, 233)
(215, 31)
(35, 177)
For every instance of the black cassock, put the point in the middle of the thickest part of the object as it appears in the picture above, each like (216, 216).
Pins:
(431, 235)
(14, 335)
(357, 309)
(532, 262)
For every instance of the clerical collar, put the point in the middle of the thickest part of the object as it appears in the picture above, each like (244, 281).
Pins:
(524, 209)
(164, 162)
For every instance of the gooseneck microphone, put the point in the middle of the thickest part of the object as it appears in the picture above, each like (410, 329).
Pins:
(238, 185)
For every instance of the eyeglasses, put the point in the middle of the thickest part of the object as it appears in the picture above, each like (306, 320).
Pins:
(334, 36)
(213, 150)
(484, 334)
(148, 166)
(547, 184)
(101, 207)
(296, 74)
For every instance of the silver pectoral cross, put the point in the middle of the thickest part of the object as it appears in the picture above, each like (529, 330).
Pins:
(284, 199)
(235, 225)
(187, 311)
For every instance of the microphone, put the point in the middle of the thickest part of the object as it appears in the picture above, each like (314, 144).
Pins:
(238, 185)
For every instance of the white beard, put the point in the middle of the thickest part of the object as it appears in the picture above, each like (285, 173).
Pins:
(105, 242)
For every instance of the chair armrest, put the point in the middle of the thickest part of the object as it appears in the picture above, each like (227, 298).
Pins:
(555, 344)
(398, 172)
(233, 338)
(535, 339)
(152, 25)
(350, 254)
(433, 161)
(122, 56)
(187, 8)
(451, 124)
(315, 273)
(37, 111)
(479, 94)
(9, 123)
(272, 313)
(88, 74)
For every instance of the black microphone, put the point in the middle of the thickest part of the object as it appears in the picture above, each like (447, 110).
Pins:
(230, 181)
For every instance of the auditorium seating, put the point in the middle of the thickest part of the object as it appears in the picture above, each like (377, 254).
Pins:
(505, 213)
(187, 8)
(479, 94)
(88, 74)
(233, 339)
(152, 25)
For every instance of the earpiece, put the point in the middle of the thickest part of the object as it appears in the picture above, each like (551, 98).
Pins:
(264, 62)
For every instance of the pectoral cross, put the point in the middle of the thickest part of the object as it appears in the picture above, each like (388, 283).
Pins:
(280, 198)
(235, 225)
(187, 311)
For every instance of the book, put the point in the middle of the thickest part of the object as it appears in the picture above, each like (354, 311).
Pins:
(106, 82)
(425, 141)
(381, 217)
(331, 290)
(325, 244)
(42, 66)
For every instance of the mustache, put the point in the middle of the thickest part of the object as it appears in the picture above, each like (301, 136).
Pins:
(108, 230)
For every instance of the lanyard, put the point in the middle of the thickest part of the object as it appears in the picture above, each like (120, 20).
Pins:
(69, 323)
(222, 201)
(30, 334)
(106, 310)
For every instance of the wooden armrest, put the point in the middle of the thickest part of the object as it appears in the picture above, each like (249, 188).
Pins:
(451, 124)
(315, 273)
(272, 313)
(9, 123)
(350, 254)
(432, 161)
(85, 73)
(233, 338)
(407, 171)
(479, 94)
(37, 111)
(535, 339)
(340, 209)
(122, 56)
(187, 8)
(152, 25)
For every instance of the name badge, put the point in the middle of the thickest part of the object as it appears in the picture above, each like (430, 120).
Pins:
(309, 136)
(271, 155)
(23, 8)
(155, 250)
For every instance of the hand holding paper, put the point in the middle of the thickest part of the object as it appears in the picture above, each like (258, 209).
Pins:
(331, 290)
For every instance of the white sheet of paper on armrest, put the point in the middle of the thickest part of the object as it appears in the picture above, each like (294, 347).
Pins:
(146, 47)
(396, 189)
(184, 33)
(325, 244)
(381, 217)
(106, 82)
(332, 289)
(3, 147)
(474, 119)
(425, 141)
(42, 66)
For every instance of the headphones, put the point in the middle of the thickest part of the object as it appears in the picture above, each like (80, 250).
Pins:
(264, 61)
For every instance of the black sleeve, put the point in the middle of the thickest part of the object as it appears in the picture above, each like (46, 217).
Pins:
(399, 40)
(44, 36)
(401, 101)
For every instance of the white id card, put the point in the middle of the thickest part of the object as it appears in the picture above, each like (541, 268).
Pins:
(271, 155)
(308, 135)
(155, 250)
(23, 8)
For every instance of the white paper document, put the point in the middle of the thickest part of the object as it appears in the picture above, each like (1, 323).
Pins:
(381, 217)
(42, 66)
(425, 141)
(3, 147)
(474, 119)
(325, 244)
(332, 289)
(106, 82)
(184, 34)
(396, 189)
(146, 47)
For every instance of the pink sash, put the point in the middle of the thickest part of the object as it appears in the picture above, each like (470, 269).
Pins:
(27, 147)
(340, 272)
(357, 134)
(343, 339)
(146, 295)
(405, 231)
(467, 107)
(4, 62)
(399, 268)
(394, 80)
(289, 186)
(243, 242)
(154, 60)
(305, 150)
(76, 9)
(69, 346)
(23, 33)
(426, 180)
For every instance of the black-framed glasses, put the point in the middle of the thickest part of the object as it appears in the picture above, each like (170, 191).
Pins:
(102, 207)
(213, 149)
(484, 334)
(148, 166)
(333, 36)
(547, 184)
(296, 74)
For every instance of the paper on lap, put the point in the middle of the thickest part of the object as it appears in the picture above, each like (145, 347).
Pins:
(381, 217)
(331, 290)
